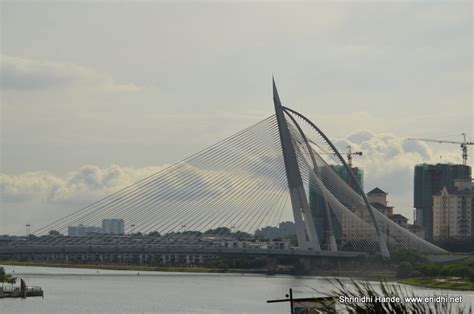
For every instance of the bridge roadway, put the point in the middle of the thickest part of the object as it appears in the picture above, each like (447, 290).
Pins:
(35, 249)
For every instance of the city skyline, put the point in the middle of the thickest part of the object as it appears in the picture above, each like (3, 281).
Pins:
(79, 122)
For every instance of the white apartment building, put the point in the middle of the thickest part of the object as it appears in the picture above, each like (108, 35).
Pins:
(113, 226)
(452, 212)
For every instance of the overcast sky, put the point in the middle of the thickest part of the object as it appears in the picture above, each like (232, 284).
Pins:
(96, 95)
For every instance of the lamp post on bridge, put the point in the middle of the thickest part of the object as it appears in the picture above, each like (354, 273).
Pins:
(27, 226)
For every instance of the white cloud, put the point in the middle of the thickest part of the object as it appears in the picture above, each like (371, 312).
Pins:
(360, 136)
(40, 197)
(30, 74)
(84, 185)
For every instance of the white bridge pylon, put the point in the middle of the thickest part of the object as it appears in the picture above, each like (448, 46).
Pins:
(305, 229)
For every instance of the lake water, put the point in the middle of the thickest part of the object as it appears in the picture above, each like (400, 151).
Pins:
(103, 291)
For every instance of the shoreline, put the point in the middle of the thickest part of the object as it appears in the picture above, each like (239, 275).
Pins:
(439, 283)
(375, 276)
(433, 283)
(130, 267)
(124, 267)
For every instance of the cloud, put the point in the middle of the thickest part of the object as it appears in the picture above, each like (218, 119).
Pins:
(419, 148)
(30, 74)
(86, 184)
(360, 136)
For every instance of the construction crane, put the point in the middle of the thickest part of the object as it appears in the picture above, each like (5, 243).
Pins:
(463, 144)
(350, 154)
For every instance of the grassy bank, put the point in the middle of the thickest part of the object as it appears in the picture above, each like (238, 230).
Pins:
(440, 283)
(375, 275)
(336, 273)
(128, 267)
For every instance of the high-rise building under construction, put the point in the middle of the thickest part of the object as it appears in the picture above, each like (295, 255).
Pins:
(430, 180)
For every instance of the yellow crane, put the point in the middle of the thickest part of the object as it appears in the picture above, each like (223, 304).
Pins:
(463, 144)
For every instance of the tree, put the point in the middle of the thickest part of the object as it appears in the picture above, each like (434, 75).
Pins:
(412, 257)
(54, 233)
(4, 277)
(429, 269)
(404, 270)
(243, 235)
(154, 234)
(470, 274)
(222, 231)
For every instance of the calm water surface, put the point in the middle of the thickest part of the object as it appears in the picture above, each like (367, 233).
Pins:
(107, 291)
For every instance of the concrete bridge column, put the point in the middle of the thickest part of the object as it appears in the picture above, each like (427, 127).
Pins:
(188, 260)
(305, 263)
(201, 259)
(272, 264)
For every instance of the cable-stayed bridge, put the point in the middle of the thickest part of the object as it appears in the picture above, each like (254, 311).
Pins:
(279, 169)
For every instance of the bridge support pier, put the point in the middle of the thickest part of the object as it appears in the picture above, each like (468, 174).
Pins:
(272, 264)
(305, 265)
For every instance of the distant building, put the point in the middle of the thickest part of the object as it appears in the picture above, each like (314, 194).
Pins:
(81, 230)
(287, 228)
(378, 199)
(417, 230)
(113, 226)
(429, 181)
(283, 230)
(452, 212)
(399, 220)
(342, 172)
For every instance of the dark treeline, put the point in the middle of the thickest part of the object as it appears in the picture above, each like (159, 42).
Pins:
(413, 264)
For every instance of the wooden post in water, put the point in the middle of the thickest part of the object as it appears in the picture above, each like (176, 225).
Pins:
(22, 288)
